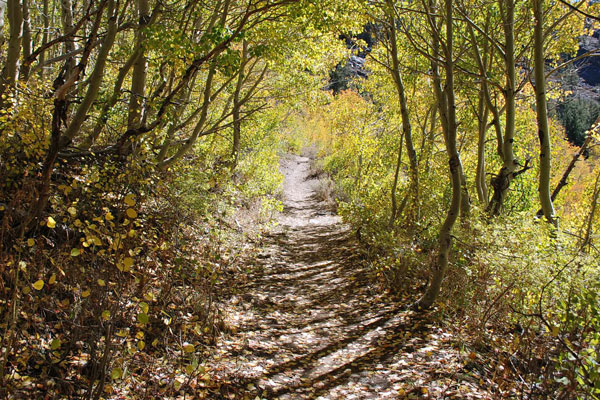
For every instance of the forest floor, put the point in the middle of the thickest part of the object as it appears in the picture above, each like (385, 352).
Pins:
(309, 324)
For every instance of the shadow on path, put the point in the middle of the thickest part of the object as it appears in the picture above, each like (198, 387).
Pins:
(309, 325)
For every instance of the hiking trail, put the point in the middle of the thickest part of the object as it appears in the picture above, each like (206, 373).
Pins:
(310, 325)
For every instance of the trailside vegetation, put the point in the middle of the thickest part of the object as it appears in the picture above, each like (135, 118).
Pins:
(139, 149)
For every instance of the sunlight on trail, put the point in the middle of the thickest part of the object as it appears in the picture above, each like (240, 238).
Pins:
(311, 326)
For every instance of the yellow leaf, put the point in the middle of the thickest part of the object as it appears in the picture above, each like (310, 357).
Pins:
(131, 213)
(143, 318)
(141, 345)
(116, 373)
(122, 333)
(30, 242)
(189, 369)
(555, 331)
(106, 315)
(55, 344)
(127, 263)
(26, 290)
(177, 384)
(101, 282)
(72, 211)
(38, 285)
(52, 279)
(109, 216)
(144, 307)
(75, 252)
(85, 293)
(129, 200)
(51, 223)
(188, 347)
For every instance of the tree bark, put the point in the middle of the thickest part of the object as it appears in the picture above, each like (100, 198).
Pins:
(66, 8)
(542, 113)
(140, 68)
(10, 72)
(480, 182)
(46, 27)
(447, 108)
(586, 242)
(95, 79)
(237, 121)
(2, 11)
(406, 125)
(395, 210)
(103, 118)
(26, 43)
(501, 182)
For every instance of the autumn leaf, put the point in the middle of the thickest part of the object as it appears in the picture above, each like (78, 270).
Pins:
(38, 285)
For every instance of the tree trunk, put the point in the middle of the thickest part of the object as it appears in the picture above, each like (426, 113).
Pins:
(395, 210)
(199, 125)
(2, 11)
(24, 73)
(140, 69)
(406, 125)
(103, 118)
(66, 8)
(46, 20)
(480, 182)
(542, 113)
(447, 108)
(586, 242)
(501, 182)
(236, 110)
(10, 71)
(95, 79)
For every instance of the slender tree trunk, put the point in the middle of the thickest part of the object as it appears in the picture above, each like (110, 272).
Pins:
(61, 104)
(565, 176)
(10, 71)
(589, 225)
(66, 8)
(140, 69)
(95, 79)
(406, 125)
(480, 182)
(501, 182)
(199, 125)
(542, 113)
(447, 107)
(2, 11)
(103, 118)
(24, 74)
(236, 110)
(46, 27)
(395, 212)
(465, 199)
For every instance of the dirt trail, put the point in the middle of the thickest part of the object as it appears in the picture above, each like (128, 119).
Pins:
(310, 326)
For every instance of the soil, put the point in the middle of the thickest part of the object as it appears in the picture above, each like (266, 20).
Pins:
(311, 325)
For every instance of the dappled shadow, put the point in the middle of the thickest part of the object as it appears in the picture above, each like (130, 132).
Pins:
(309, 324)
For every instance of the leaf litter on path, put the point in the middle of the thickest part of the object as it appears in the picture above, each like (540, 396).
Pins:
(310, 325)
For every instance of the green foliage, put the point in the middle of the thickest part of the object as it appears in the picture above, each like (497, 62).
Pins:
(577, 114)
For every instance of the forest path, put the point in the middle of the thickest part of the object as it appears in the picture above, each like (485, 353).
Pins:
(310, 326)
